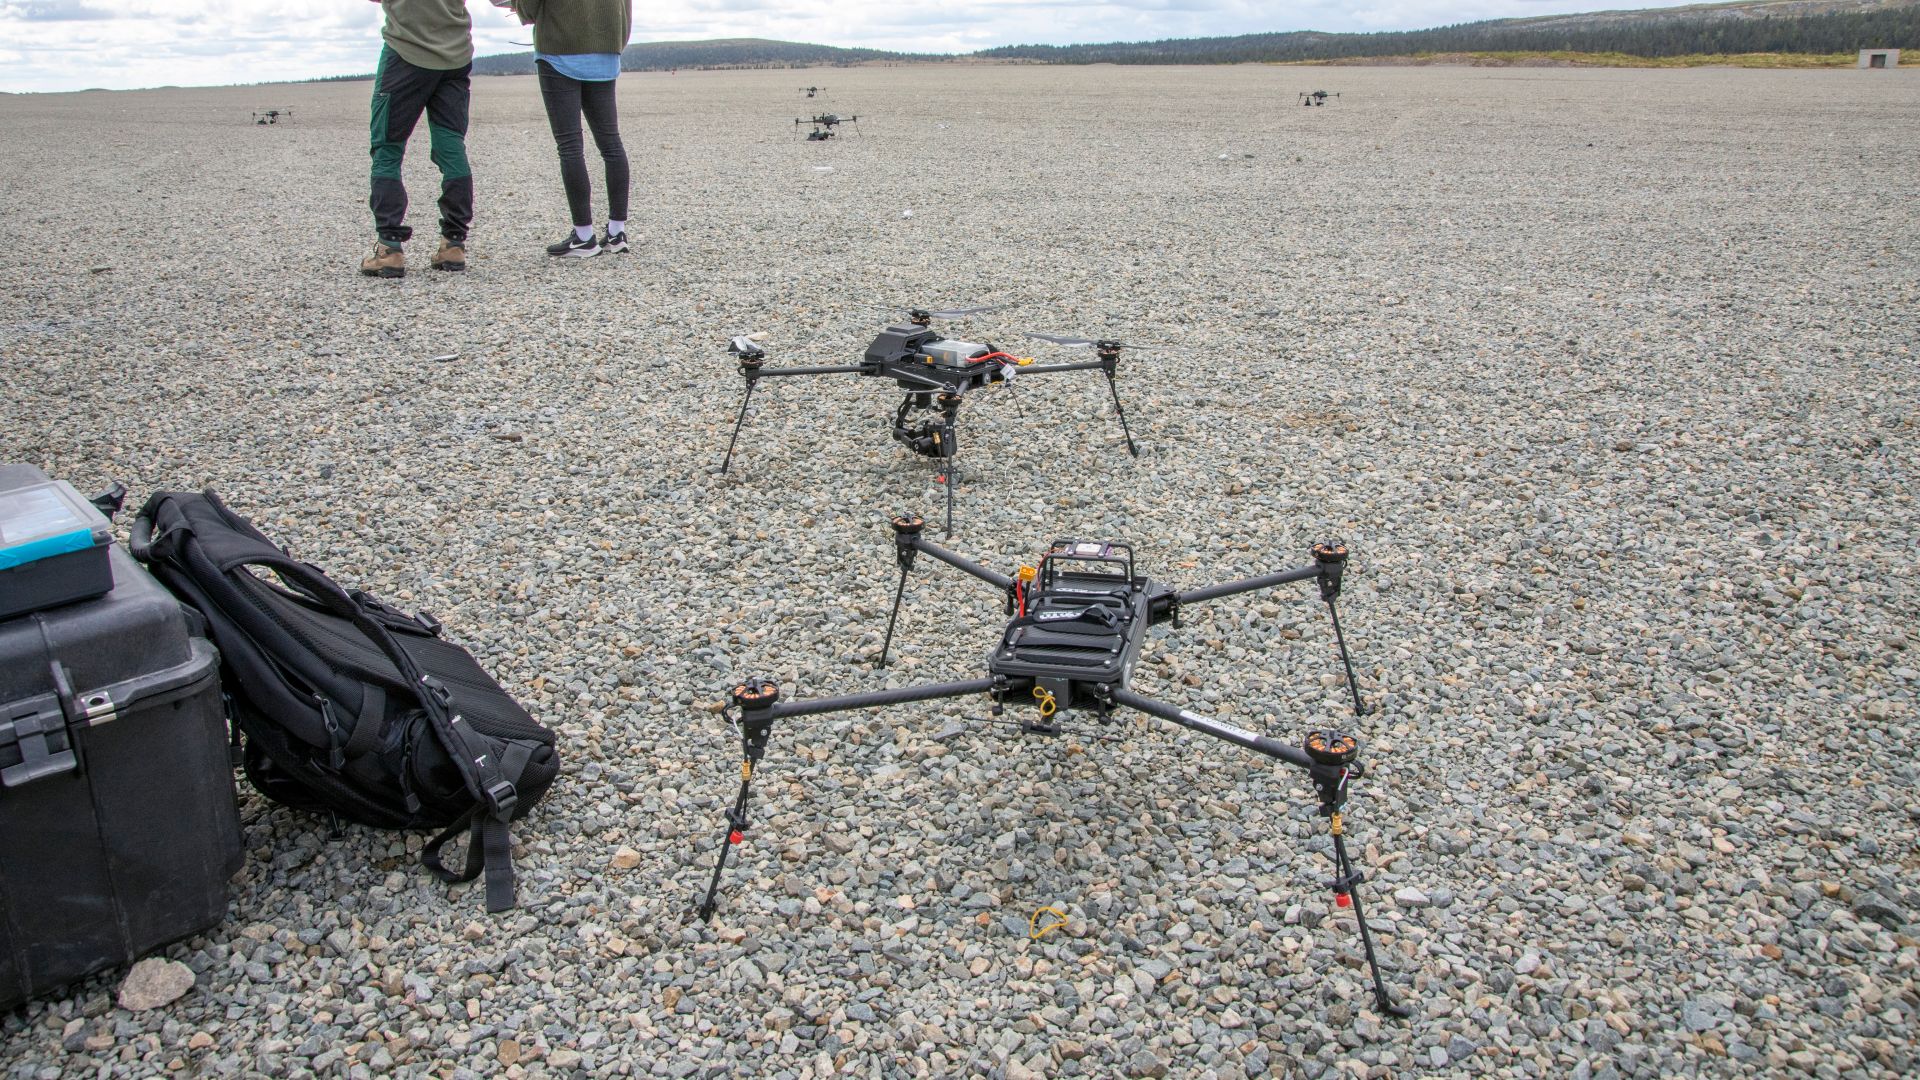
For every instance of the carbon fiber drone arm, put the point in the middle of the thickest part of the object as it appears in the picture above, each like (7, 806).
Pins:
(873, 699)
(961, 562)
(824, 369)
(757, 703)
(1084, 365)
(1259, 744)
(908, 543)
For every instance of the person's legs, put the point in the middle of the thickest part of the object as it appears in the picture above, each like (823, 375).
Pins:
(447, 127)
(562, 98)
(598, 100)
(400, 92)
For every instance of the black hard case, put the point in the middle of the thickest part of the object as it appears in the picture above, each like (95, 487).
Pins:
(118, 828)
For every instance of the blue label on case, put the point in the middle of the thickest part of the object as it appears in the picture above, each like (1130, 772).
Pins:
(47, 548)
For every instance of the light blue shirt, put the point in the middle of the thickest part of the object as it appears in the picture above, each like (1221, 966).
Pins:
(585, 67)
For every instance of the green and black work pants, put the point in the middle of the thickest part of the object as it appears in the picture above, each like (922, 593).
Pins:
(401, 92)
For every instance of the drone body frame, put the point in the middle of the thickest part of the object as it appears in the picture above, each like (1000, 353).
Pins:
(1077, 624)
(934, 373)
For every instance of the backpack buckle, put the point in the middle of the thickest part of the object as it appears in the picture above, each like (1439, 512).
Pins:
(502, 799)
(439, 690)
(336, 743)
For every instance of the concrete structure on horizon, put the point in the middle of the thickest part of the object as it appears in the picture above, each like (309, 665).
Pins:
(1879, 58)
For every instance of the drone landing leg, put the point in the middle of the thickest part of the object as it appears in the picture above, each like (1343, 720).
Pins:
(1346, 891)
(906, 548)
(898, 593)
(737, 421)
(1122, 414)
(1341, 640)
(1331, 560)
(950, 481)
(754, 732)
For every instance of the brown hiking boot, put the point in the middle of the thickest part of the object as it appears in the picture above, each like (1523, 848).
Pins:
(387, 262)
(451, 256)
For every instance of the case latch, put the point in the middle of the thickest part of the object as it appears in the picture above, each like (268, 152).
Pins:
(31, 723)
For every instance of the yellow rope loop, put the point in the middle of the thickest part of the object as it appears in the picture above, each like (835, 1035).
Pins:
(1035, 932)
(1048, 706)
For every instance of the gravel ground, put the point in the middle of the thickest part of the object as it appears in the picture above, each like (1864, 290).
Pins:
(1605, 376)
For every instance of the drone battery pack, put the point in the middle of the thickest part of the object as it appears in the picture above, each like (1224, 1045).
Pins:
(118, 827)
(53, 543)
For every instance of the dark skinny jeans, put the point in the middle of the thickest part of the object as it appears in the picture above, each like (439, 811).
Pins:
(567, 100)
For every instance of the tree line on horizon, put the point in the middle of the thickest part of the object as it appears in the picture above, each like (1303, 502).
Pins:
(1652, 38)
(1652, 34)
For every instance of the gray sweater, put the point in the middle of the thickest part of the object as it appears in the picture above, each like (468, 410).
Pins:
(577, 27)
(435, 34)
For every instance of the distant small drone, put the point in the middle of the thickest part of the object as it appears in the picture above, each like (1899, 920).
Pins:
(935, 373)
(813, 91)
(271, 116)
(824, 123)
(1315, 97)
(1078, 621)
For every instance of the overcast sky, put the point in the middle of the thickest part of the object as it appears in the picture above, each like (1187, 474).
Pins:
(118, 44)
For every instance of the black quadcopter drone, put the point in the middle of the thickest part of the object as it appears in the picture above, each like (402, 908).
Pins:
(271, 116)
(824, 123)
(936, 373)
(1315, 97)
(1077, 625)
(812, 91)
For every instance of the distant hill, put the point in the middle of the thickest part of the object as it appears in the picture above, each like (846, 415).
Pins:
(1699, 31)
(1752, 26)
(718, 53)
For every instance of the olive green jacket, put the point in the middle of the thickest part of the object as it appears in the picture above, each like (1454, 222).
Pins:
(436, 34)
(577, 27)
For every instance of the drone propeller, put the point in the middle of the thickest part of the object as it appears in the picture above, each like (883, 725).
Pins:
(1081, 343)
(953, 313)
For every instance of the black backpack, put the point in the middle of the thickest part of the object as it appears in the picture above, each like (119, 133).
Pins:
(350, 707)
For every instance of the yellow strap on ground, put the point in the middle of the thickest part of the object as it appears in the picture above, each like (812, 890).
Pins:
(1035, 932)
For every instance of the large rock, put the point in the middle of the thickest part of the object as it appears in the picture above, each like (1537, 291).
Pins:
(154, 982)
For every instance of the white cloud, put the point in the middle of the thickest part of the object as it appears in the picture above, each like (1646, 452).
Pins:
(73, 44)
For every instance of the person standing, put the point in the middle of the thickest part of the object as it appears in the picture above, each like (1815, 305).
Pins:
(577, 46)
(425, 66)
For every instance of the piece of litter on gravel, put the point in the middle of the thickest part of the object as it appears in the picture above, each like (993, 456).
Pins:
(823, 168)
(98, 269)
(906, 213)
(447, 359)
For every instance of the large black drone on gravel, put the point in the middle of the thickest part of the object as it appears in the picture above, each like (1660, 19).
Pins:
(935, 373)
(1315, 97)
(264, 117)
(1077, 624)
(824, 123)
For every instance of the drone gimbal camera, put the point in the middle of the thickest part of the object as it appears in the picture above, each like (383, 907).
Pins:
(935, 373)
(1077, 623)
(824, 123)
